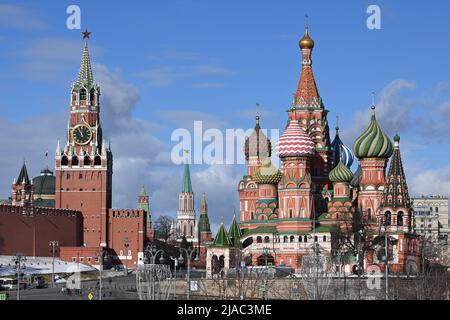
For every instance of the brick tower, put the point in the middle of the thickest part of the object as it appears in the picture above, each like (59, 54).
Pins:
(312, 116)
(84, 164)
(22, 189)
(373, 149)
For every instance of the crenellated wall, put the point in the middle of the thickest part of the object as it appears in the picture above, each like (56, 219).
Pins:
(29, 230)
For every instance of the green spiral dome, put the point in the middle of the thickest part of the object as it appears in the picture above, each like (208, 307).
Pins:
(373, 143)
(341, 173)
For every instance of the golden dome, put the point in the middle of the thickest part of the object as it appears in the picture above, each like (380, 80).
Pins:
(306, 42)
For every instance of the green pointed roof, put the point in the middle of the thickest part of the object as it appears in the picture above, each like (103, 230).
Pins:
(143, 193)
(187, 185)
(234, 233)
(23, 175)
(221, 239)
(85, 77)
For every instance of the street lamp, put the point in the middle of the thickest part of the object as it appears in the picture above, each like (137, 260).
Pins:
(266, 252)
(175, 264)
(18, 266)
(126, 244)
(53, 244)
(101, 257)
(151, 253)
(188, 253)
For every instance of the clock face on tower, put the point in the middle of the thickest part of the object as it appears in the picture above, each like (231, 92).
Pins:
(82, 134)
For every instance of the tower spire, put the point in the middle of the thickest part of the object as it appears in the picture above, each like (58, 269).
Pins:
(85, 76)
(187, 185)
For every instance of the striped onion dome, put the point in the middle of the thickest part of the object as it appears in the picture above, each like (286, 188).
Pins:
(295, 142)
(339, 148)
(257, 144)
(373, 143)
(267, 174)
(341, 173)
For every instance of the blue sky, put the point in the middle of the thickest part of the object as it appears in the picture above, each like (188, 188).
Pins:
(162, 65)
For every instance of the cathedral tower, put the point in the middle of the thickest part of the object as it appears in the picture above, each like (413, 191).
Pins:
(84, 164)
(311, 114)
(373, 149)
(395, 204)
(186, 209)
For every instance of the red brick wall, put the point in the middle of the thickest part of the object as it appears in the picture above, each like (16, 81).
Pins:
(129, 224)
(30, 234)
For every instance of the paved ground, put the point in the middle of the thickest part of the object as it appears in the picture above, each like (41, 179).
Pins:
(117, 288)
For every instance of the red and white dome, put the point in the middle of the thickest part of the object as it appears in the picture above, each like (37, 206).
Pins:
(295, 142)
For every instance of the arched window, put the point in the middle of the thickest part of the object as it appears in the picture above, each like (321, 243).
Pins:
(299, 238)
(75, 161)
(290, 213)
(292, 239)
(64, 161)
(87, 161)
(285, 239)
(369, 214)
(387, 218)
(400, 218)
(259, 239)
(97, 161)
(305, 239)
(266, 239)
(324, 238)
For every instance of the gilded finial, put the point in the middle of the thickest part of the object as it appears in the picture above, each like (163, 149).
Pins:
(373, 103)
(337, 124)
(306, 42)
(257, 113)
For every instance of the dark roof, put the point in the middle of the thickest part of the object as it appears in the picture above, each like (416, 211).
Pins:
(23, 175)
(45, 183)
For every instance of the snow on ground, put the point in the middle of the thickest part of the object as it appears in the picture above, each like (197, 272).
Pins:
(41, 265)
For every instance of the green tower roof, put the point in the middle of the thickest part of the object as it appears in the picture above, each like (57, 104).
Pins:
(234, 233)
(187, 185)
(221, 239)
(85, 76)
(143, 193)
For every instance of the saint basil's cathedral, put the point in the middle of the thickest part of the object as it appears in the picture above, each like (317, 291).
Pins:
(314, 197)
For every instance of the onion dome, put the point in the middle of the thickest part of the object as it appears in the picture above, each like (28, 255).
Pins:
(257, 144)
(295, 142)
(373, 143)
(267, 174)
(306, 42)
(340, 149)
(357, 176)
(341, 173)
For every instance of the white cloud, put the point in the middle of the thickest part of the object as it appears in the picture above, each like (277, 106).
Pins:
(16, 16)
(393, 112)
(431, 181)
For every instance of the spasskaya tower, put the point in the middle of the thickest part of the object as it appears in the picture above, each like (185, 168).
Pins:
(84, 163)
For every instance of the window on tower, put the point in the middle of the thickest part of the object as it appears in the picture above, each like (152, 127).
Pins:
(87, 161)
(75, 161)
(64, 161)
(97, 161)
(83, 95)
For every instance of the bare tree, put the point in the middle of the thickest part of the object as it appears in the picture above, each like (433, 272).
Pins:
(163, 227)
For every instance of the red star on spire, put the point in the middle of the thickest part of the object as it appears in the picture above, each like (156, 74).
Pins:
(86, 34)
